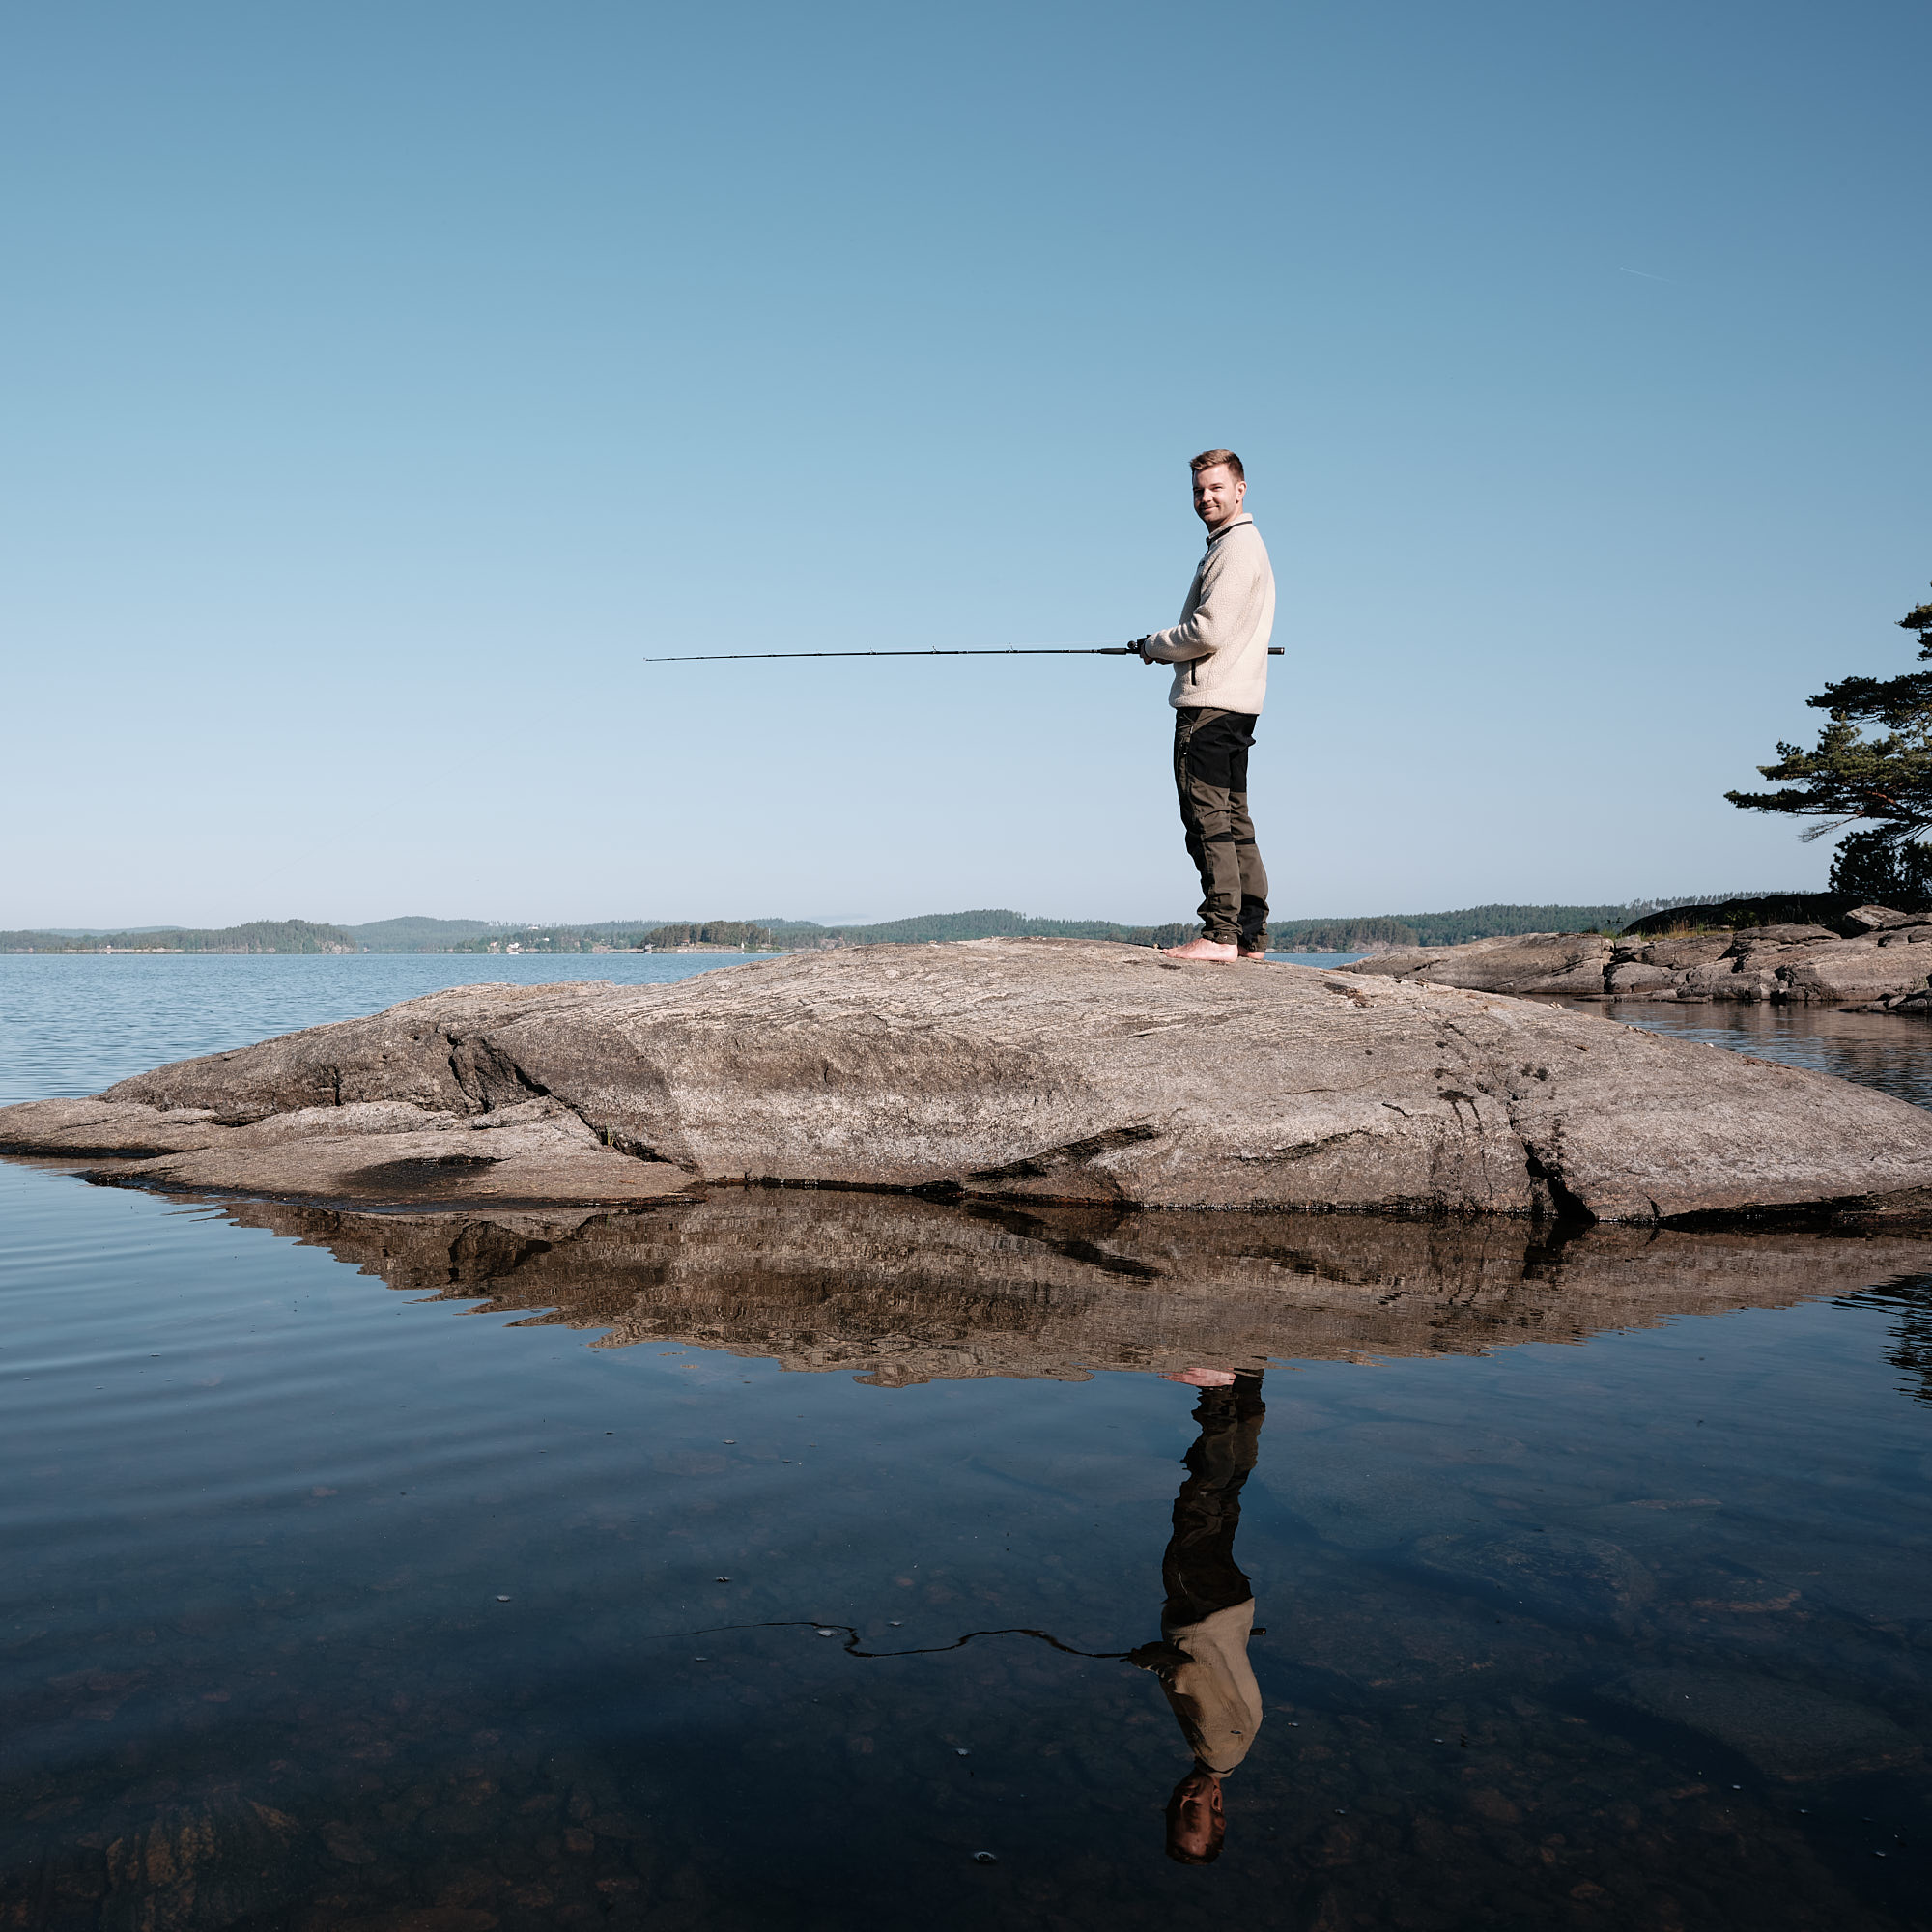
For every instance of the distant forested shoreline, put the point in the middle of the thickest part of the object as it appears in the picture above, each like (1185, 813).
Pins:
(1356, 934)
(258, 935)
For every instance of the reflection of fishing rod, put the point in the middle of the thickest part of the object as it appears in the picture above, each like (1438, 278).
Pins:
(1002, 651)
(851, 1644)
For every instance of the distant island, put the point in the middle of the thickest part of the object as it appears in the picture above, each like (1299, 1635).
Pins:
(259, 935)
(1359, 934)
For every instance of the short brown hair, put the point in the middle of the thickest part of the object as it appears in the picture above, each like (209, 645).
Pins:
(1209, 459)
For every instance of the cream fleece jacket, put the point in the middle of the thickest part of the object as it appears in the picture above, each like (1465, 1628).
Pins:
(1219, 648)
(1212, 1691)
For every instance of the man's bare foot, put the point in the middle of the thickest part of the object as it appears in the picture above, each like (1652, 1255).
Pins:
(1201, 1379)
(1204, 948)
(1247, 954)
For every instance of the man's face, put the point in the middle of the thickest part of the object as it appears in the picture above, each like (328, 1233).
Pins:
(1196, 1825)
(1217, 495)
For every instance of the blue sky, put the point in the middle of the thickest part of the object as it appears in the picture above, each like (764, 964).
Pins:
(386, 381)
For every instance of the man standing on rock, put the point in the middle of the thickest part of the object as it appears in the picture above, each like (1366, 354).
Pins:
(1219, 651)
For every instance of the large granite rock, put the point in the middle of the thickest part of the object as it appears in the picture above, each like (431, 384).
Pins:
(1043, 1069)
(1872, 956)
(899, 1290)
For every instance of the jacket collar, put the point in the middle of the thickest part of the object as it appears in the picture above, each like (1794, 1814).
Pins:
(1233, 524)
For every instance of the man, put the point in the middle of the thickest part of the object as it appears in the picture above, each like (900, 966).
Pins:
(1201, 1658)
(1221, 651)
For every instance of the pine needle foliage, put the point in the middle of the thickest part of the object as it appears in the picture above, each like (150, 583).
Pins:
(1883, 783)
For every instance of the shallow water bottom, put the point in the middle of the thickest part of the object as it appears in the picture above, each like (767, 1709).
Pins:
(724, 1568)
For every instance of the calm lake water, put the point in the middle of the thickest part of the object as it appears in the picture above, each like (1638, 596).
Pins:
(416, 1574)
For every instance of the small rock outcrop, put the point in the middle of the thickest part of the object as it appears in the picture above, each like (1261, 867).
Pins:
(1872, 956)
(1920, 1002)
(1060, 1070)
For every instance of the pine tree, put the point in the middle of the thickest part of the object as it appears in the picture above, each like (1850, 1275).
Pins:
(1867, 866)
(1881, 783)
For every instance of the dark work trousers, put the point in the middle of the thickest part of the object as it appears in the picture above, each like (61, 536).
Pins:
(1199, 1570)
(1210, 775)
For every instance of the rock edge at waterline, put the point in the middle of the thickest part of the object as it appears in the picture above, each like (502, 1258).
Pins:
(1049, 1070)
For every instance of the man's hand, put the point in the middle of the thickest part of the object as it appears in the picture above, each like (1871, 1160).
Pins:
(1138, 646)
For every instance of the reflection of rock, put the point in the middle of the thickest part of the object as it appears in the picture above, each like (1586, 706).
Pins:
(1780, 1729)
(1020, 1069)
(906, 1290)
(1875, 957)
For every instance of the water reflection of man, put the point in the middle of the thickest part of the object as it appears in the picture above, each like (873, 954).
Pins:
(1201, 1658)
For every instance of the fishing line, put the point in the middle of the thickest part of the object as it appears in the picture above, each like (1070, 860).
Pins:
(851, 1644)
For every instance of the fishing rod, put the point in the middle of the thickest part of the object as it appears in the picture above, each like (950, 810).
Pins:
(1002, 651)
